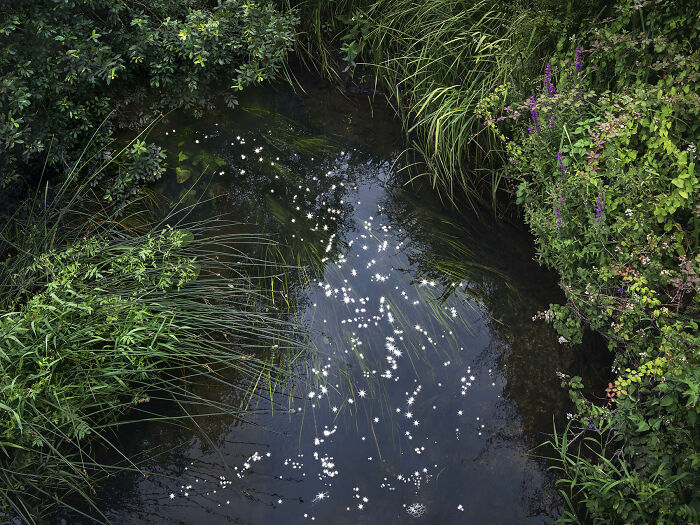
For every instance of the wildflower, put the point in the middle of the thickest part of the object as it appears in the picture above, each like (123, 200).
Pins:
(560, 156)
(579, 58)
(598, 209)
(560, 222)
(548, 81)
(533, 111)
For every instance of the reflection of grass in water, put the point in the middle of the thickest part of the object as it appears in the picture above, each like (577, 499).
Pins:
(441, 248)
(418, 354)
(511, 289)
(289, 136)
(309, 257)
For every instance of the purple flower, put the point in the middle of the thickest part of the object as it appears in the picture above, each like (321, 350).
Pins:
(561, 162)
(560, 222)
(548, 81)
(598, 209)
(591, 425)
(579, 58)
(551, 122)
(533, 111)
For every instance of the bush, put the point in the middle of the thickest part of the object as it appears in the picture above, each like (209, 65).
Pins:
(65, 66)
(603, 156)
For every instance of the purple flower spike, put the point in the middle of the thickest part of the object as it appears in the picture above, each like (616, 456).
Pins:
(598, 209)
(579, 58)
(533, 111)
(548, 81)
(560, 157)
(560, 222)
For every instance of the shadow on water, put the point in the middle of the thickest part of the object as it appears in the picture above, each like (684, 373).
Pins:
(426, 382)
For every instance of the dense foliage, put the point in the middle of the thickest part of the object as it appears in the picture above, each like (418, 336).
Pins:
(593, 109)
(65, 67)
(603, 153)
(99, 313)
(436, 60)
(100, 318)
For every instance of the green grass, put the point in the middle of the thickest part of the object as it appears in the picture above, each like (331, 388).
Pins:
(436, 59)
(104, 319)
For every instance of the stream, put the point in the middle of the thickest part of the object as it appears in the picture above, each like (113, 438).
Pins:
(426, 385)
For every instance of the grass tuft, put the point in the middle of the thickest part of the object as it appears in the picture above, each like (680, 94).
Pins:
(104, 319)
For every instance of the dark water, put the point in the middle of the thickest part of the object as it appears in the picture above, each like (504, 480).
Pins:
(427, 382)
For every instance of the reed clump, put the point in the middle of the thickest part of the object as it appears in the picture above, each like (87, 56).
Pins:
(436, 60)
(102, 319)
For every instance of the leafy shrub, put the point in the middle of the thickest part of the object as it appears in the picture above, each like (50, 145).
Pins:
(603, 156)
(138, 165)
(65, 65)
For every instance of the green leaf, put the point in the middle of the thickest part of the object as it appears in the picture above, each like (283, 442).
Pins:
(668, 400)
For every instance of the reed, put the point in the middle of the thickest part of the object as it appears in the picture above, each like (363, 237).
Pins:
(104, 319)
(436, 60)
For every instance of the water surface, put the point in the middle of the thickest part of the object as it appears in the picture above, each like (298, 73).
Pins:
(426, 382)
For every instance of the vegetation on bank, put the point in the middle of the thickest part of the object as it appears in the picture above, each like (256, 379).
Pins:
(584, 113)
(108, 316)
(588, 116)
(107, 322)
(603, 152)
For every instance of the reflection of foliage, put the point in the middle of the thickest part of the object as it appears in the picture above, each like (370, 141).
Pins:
(298, 194)
(289, 138)
(488, 260)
